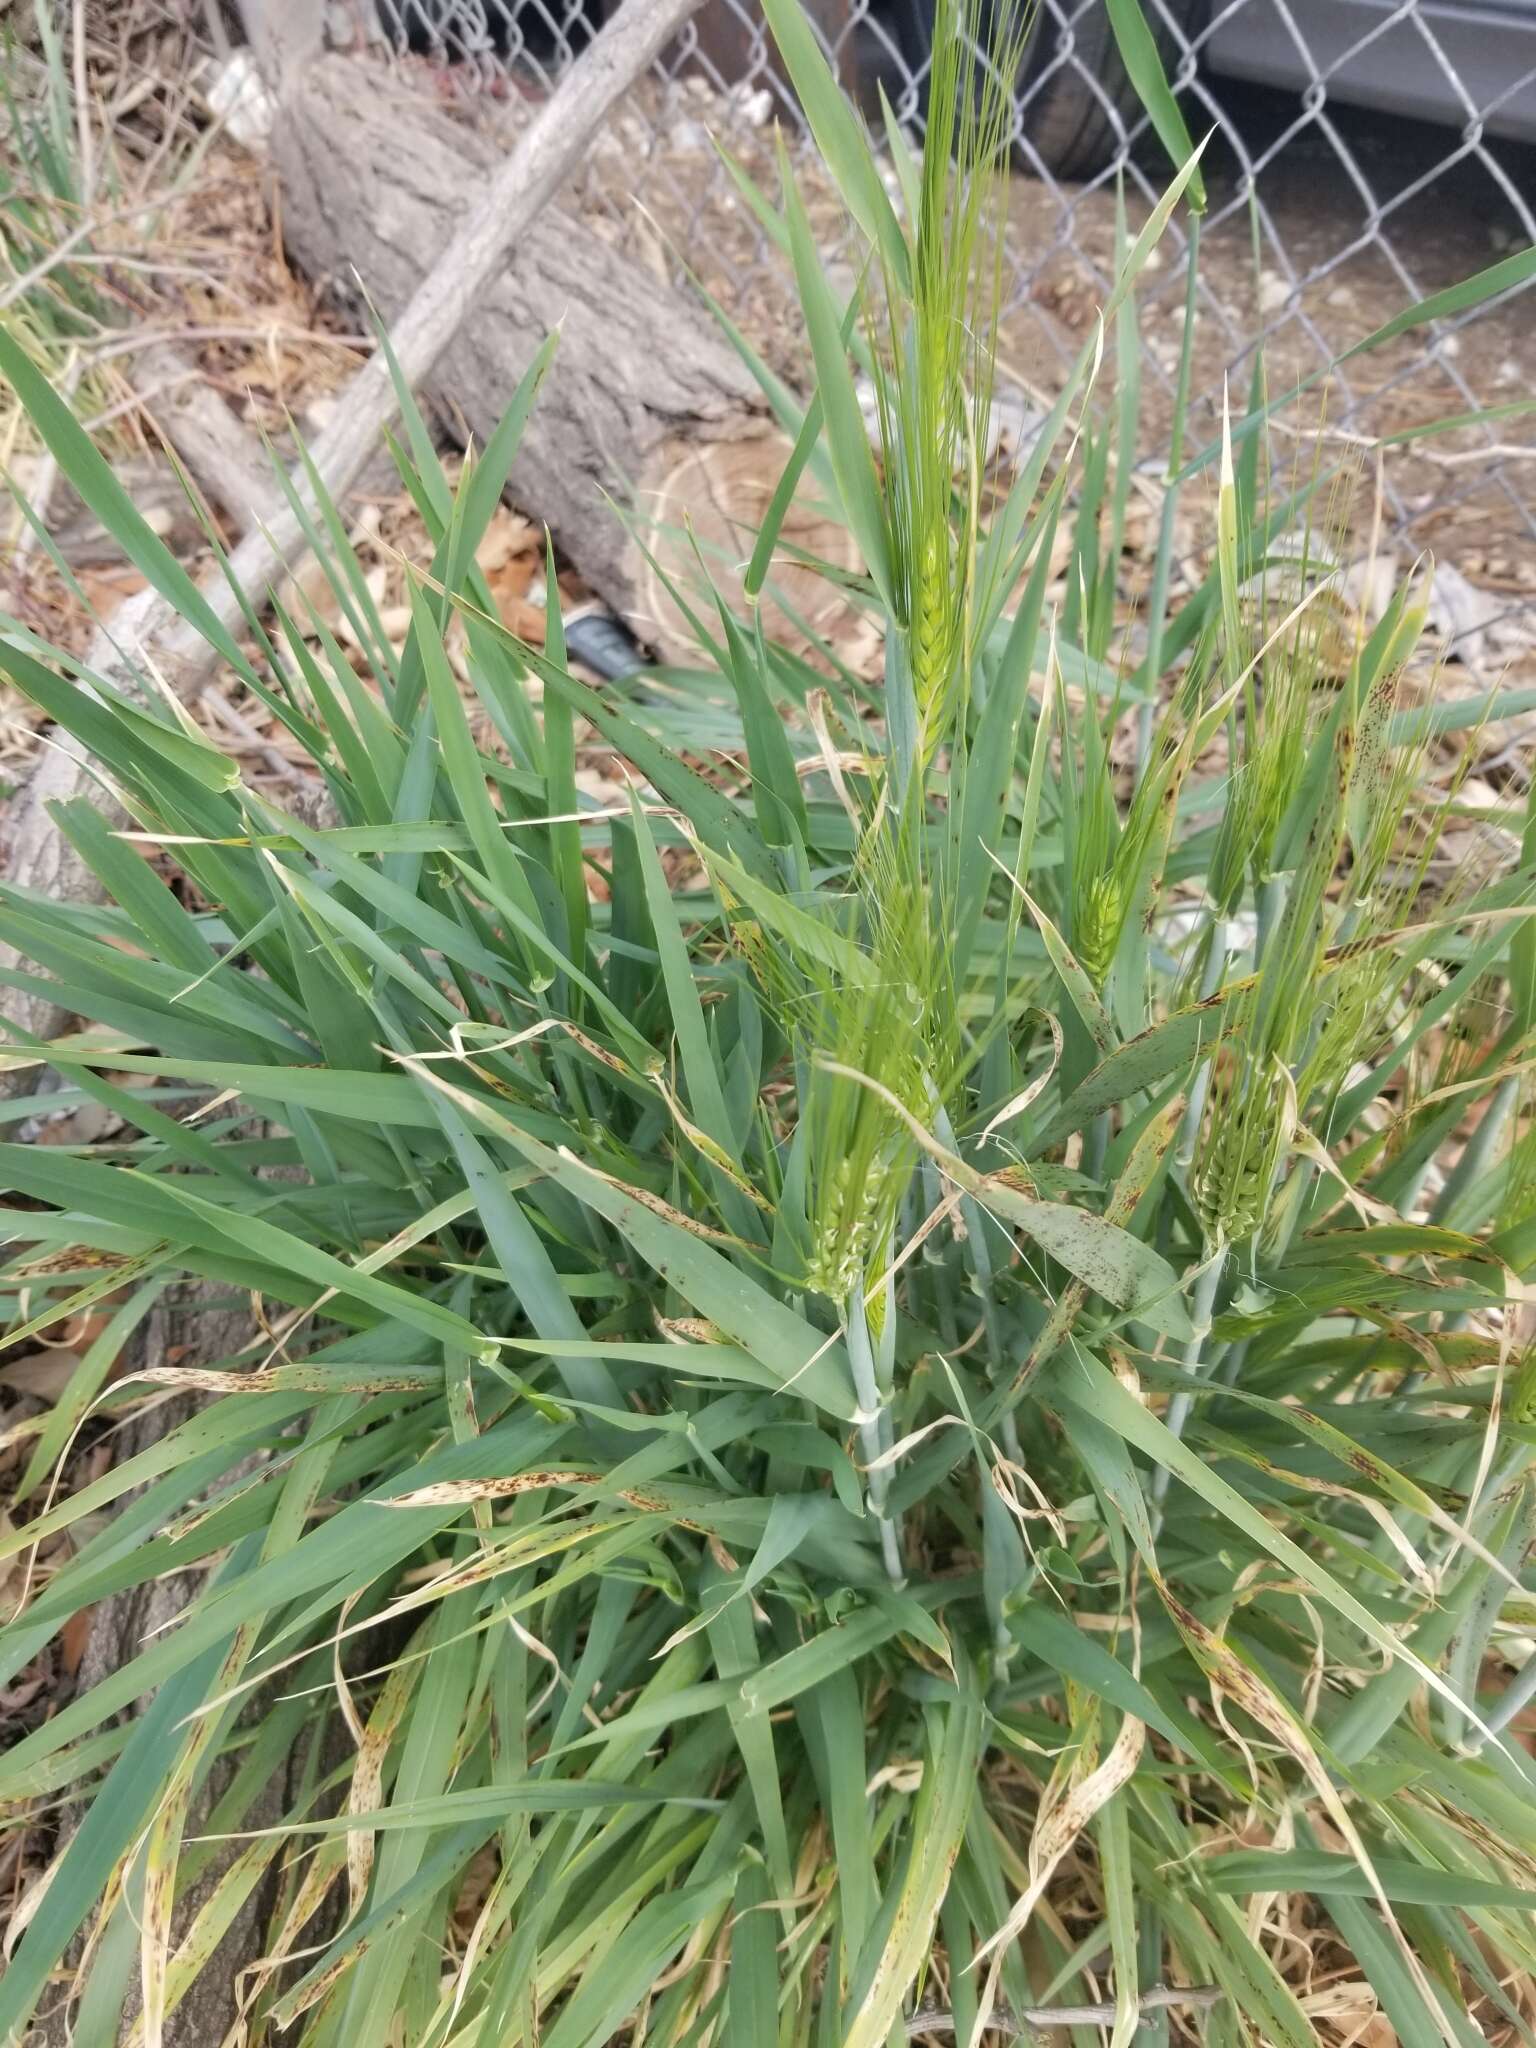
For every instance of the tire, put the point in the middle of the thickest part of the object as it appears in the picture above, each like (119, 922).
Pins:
(1076, 110)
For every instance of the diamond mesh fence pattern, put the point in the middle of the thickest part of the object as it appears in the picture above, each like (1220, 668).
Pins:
(1324, 220)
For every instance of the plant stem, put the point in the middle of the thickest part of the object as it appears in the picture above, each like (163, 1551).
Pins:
(1202, 1314)
(979, 1260)
(872, 1426)
(1162, 567)
(1517, 1694)
(1471, 1641)
(1475, 1155)
(1096, 1145)
(1210, 981)
(1478, 1150)
(1269, 905)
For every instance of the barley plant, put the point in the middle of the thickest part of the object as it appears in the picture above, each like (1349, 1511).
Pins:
(62, 182)
(887, 1386)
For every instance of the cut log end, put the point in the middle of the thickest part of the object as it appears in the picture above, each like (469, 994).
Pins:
(703, 504)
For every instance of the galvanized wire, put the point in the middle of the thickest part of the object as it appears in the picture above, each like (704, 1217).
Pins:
(518, 45)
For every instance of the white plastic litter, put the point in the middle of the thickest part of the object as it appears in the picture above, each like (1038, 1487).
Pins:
(238, 95)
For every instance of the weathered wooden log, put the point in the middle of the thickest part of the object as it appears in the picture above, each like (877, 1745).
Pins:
(642, 381)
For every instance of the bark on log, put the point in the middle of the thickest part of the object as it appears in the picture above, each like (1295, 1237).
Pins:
(284, 34)
(224, 459)
(470, 247)
(372, 175)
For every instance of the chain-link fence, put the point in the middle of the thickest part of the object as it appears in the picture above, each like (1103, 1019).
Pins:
(1367, 153)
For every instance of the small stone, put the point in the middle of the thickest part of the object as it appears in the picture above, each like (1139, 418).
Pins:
(1274, 291)
(754, 108)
